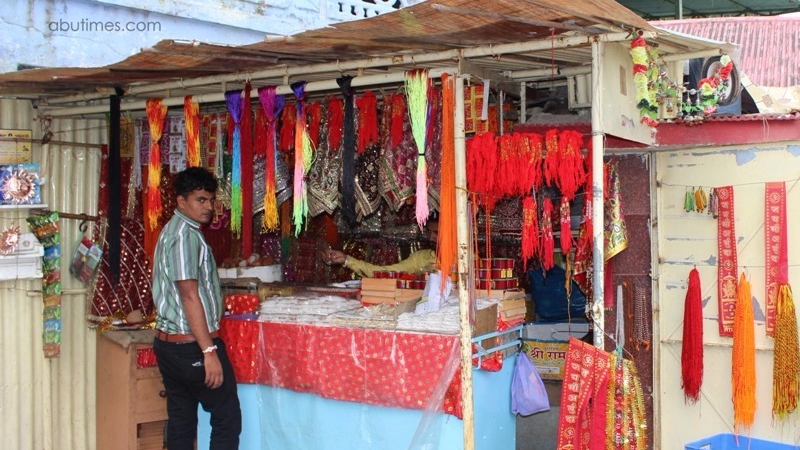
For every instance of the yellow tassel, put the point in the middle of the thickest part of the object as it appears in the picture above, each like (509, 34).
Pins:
(785, 375)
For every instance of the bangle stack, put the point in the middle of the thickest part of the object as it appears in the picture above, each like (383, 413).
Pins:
(210, 349)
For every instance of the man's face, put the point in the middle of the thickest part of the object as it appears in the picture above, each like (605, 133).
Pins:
(197, 205)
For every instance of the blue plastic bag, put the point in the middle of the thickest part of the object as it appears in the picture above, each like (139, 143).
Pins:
(528, 395)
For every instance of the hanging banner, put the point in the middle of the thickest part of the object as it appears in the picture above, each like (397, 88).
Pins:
(728, 265)
(774, 230)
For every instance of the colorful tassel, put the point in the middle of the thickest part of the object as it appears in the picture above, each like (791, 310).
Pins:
(303, 157)
(688, 200)
(416, 83)
(233, 100)
(692, 346)
(272, 108)
(743, 373)
(191, 114)
(156, 112)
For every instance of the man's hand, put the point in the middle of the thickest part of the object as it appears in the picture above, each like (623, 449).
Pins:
(213, 370)
(336, 257)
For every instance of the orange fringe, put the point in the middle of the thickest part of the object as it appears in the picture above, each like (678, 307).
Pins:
(744, 359)
(156, 112)
(785, 377)
(447, 242)
(191, 114)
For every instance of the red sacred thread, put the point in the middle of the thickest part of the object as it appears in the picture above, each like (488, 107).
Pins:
(530, 230)
(288, 121)
(447, 245)
(571, 170)
(367, 106)
(482, 162)
(505, 182)
(548, 243)
(335, 123)
(566, 227)
(536, 143)
(692, 346)
(314, 118)
(246, 127)
(551, 157)
(398, 119)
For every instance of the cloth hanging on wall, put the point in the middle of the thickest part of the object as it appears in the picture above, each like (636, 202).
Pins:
(323, 177)
(728, 267)
(397, 164)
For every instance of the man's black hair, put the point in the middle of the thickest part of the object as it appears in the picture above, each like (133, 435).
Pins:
(194, 179)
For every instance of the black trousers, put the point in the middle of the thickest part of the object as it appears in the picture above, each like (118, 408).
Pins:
(181, 367)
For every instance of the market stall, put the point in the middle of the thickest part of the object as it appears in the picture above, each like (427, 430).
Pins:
(466, 44)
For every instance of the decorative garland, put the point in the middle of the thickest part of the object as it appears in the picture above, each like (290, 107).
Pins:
(417, 94)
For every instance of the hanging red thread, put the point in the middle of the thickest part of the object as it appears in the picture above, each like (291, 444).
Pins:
(571, 171)
(288, 121)
(566, 226)
(551, 157)
(530, 230)
(314, 119)
(247, 171)
(367, 106)
(548, 243)
(692, 346)
(398, 119)
(335, 122)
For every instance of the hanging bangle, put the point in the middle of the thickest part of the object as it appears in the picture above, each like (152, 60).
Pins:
(210, 349)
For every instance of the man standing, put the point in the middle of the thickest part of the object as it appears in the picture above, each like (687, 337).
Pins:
(186, 292)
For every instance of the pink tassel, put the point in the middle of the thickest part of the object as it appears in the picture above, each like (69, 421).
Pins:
(422, 191)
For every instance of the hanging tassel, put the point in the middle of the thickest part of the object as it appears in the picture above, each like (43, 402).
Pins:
(417, 94)
(288, 126)
(303, 156)
(743, 372)
(530, 230)
(348, 152)
(399, 113)
(447, 245)
(551, 158)
(156, 112)
(271, 107)
(713, 204)
(700, 200)
(233, 100)
(566, 227)
(191, 114)
(571, 171)
(688, 200)
(314, 119)
(786, 360)
(335, 123)
(692, 346)
(367, 106)
(548, 243)
(247, 171)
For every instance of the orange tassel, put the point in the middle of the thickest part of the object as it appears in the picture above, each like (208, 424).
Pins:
(191, 114)
(156, 112)
(446, 245)
(743, 372)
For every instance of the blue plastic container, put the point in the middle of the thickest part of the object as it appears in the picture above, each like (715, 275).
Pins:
(728, 441)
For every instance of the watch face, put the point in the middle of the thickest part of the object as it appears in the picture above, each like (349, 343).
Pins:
(18, 187)
(8, 240)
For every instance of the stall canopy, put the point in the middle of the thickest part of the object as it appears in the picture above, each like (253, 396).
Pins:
(556, 36)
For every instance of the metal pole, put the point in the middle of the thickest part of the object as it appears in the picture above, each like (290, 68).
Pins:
(463, 268)
(597, 196)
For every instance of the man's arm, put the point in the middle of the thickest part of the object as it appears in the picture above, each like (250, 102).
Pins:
(195, 315)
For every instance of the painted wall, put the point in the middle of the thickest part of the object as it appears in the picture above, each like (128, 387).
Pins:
(89, 33)
(689, 239)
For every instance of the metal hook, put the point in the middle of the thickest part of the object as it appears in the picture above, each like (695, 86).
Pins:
(84, 223)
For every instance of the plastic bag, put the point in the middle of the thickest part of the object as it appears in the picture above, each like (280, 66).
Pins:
(528, 395)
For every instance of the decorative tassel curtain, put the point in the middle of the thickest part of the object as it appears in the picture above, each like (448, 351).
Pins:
(156, 112)
(233, 100)
(417, 95)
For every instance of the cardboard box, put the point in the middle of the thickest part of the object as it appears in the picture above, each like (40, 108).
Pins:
(555, 331)
(501, 294)
(485, 323)
(548, 356)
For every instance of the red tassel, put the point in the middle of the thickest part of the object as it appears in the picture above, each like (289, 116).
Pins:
(367, 120)
(335, 123)
(551, 158)
(566, 227)
(530, 230)
(548, 243)
(314, 118)
(692, 348)
(288, 119)
(398, 119)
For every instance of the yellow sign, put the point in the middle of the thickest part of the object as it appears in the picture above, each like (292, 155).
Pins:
(15, 146)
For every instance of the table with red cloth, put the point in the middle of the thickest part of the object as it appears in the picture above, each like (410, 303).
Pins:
(379, 367)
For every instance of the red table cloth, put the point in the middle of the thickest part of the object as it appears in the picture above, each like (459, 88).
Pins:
(378, 367)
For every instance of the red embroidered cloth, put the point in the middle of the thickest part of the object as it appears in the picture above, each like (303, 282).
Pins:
(378, 367)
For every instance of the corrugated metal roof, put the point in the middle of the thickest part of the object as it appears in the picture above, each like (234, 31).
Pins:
(770, 46)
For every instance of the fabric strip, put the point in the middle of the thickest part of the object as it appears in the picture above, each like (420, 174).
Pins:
(775, 234)
(728, 265)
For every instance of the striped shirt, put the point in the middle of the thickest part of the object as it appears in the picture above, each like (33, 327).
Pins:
(183, 254)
